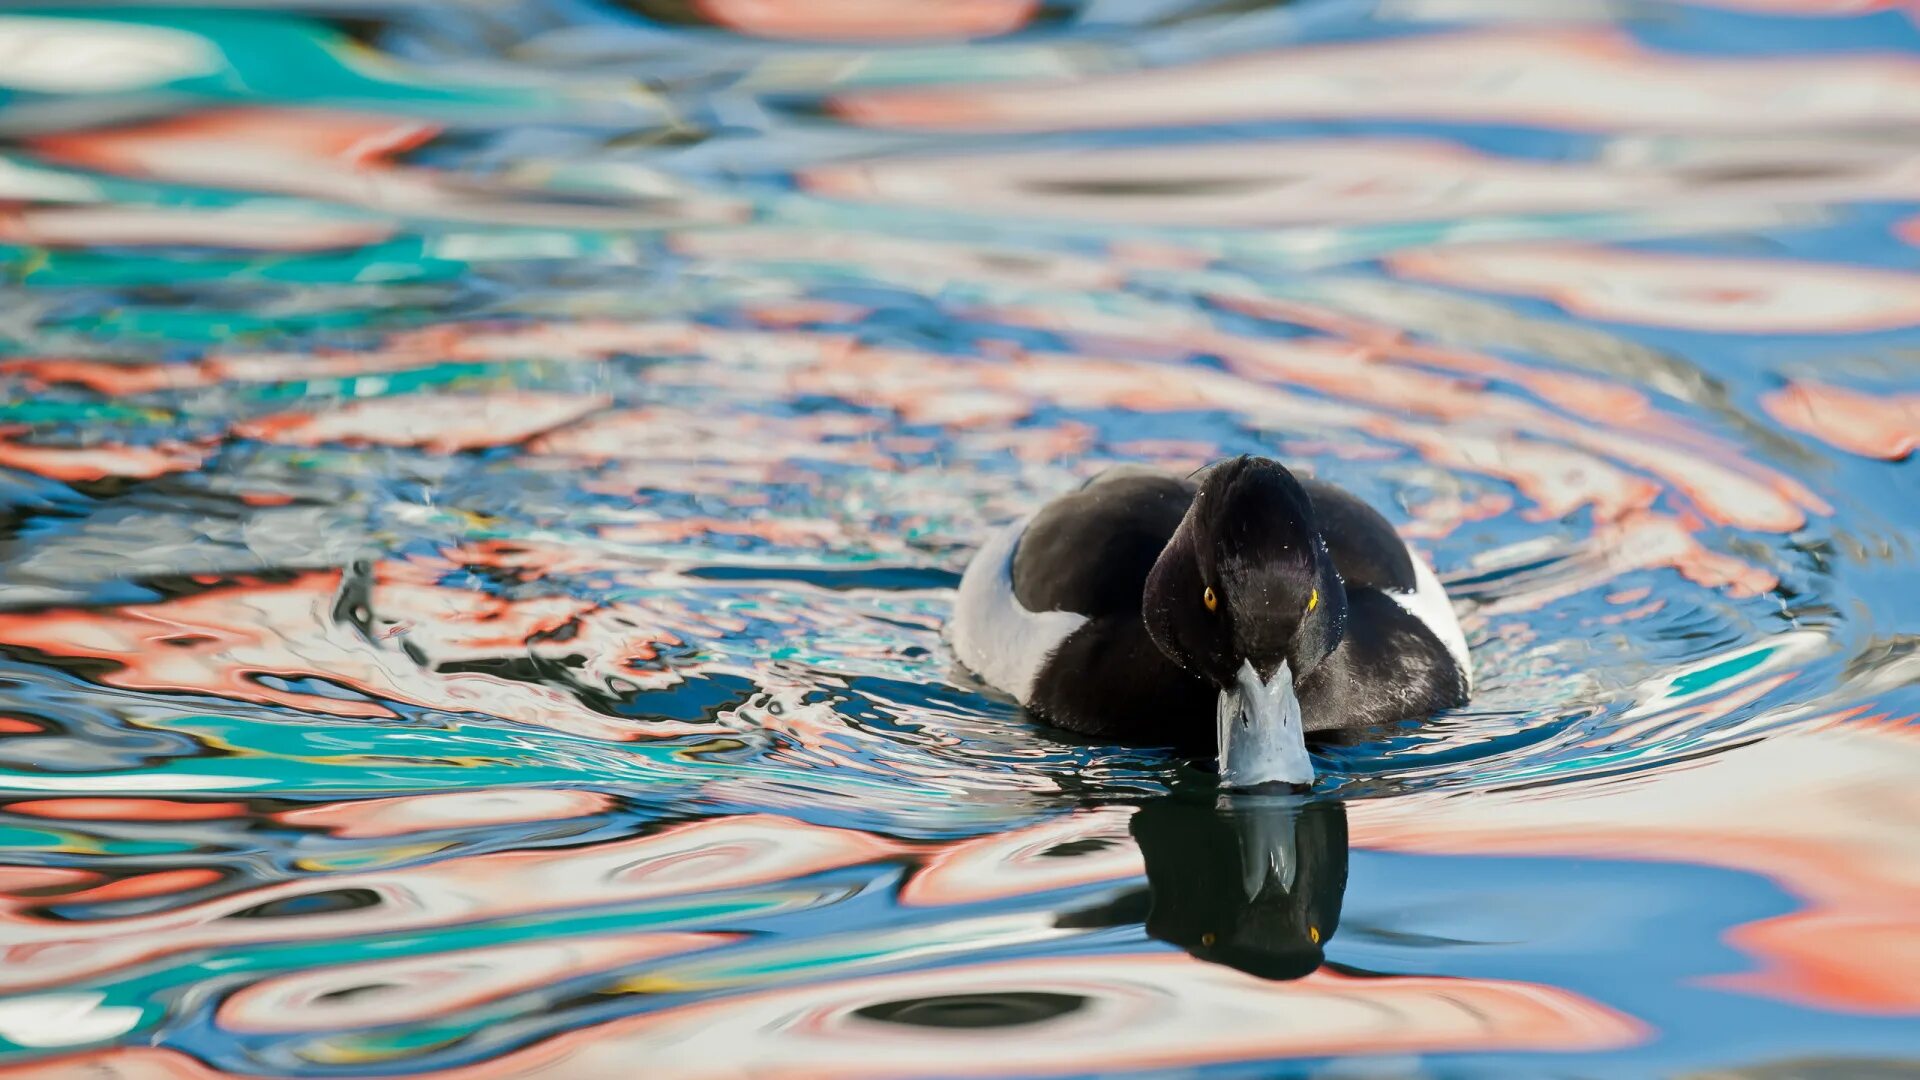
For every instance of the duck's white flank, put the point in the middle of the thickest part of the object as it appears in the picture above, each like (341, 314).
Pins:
(1429, 603)
(996, 638)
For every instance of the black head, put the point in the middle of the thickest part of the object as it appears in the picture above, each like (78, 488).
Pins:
(1246, 578)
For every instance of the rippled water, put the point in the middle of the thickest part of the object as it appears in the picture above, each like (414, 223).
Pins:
(483, 484)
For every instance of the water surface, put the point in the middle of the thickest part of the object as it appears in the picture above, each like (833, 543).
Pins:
(483, 483)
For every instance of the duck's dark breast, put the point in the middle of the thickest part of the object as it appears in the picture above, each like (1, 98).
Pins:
(1390, 666)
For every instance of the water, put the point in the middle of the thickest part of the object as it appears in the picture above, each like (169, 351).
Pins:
(483, 484)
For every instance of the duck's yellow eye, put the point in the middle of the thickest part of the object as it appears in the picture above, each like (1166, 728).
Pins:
(1314, 933)
(1208, 598)
(1313, 600)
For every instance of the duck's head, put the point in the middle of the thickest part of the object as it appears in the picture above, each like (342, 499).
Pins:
(1245, 595)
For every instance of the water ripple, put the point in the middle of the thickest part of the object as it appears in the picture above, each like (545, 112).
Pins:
(481, 487)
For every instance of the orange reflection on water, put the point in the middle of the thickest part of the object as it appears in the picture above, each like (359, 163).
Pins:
(423, 988)
(1550, 77)
(79, 464)
(1687, 292)
(868, 20)
(221, 640)
(1871, 425)
(1025, 860)
(1827, 812)
(400, 815)
(442, 423)
(748, 851)
(1128, 1011)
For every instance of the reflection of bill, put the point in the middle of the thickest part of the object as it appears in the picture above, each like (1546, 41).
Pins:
(1250, 881)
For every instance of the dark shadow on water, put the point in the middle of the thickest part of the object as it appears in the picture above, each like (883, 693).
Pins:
(1253, 882)
(1250, 881)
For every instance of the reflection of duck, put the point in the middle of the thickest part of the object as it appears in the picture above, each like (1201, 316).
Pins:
(1250, 881)
(1144, 606)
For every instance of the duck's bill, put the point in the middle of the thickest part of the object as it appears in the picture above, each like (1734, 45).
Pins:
(1262, 738)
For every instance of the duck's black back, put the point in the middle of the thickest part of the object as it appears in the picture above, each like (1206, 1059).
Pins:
(1090, 551)
(1390, 665)
(1366, 552)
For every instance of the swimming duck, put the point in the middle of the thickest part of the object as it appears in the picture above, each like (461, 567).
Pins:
(1229, 613)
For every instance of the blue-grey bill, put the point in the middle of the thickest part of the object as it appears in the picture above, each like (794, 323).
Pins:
(1262, 738)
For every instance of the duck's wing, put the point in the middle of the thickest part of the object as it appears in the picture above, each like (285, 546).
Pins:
(1083, 556)
(1369, 554)
(992, 633)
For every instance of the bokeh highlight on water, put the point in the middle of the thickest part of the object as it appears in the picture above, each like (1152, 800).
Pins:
(483, 484)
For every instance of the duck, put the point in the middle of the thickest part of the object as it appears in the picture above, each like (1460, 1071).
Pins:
(1225, 614)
